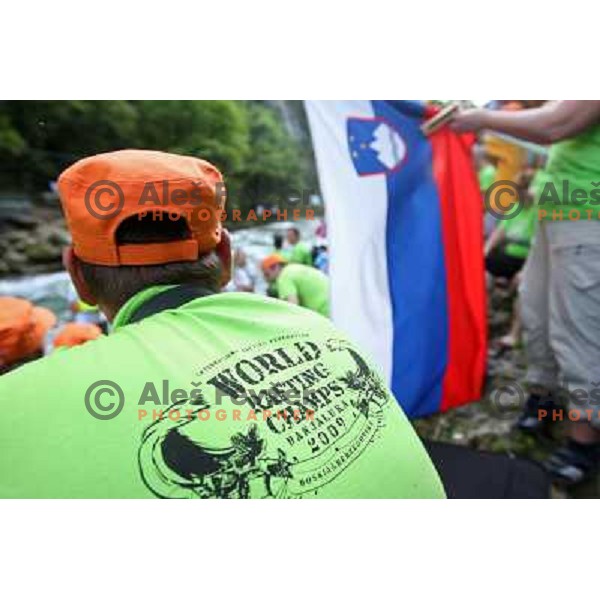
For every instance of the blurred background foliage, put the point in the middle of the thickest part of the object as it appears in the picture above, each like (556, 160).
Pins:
(262, 147)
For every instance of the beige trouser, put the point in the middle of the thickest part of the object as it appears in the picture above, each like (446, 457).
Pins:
(560, 309)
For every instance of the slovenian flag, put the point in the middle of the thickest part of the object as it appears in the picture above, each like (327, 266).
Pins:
(404, 221)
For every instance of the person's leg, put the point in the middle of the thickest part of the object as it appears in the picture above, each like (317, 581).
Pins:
(511, 339)
(542, 368)
(575, 339)
(534, 292)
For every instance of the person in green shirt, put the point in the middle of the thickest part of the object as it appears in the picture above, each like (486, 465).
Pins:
(298, 284)
(486, 175)
(508, 246)
(195, 393)
(560, 292)
(298, 251)
(506, 251)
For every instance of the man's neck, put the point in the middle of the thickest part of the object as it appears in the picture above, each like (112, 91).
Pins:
(155, 299)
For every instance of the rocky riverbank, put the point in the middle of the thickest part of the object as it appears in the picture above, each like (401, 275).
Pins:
(32, 242)
(32, 237)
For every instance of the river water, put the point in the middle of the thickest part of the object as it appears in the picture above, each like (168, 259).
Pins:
(54, 290)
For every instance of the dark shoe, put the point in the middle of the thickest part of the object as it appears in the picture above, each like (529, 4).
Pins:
(573, 463)
(530, 421)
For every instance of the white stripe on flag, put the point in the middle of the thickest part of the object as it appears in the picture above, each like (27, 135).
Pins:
(356, 211)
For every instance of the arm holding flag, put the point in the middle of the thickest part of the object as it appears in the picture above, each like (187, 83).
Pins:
(550, 123)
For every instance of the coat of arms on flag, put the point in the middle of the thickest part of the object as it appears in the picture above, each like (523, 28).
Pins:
(375, 146)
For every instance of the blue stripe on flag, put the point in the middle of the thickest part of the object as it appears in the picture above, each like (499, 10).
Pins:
(416, 268)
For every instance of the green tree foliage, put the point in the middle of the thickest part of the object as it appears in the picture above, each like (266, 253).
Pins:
(277, 168)
(55, 133)
(248, 141)
(215, 130)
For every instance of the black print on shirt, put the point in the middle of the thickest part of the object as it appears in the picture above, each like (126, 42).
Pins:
(264, 454)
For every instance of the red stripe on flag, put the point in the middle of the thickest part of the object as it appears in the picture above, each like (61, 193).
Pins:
(462, 227)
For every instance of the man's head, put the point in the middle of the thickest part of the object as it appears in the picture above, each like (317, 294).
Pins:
(272, 267)
(141, 218)
(293, 235)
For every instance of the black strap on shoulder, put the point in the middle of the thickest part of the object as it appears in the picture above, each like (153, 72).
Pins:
(171, 298)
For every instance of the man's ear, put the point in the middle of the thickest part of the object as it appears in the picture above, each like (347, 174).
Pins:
(73, 266)
(223, 251)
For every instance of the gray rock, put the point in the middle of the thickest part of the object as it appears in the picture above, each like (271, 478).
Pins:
(42, 252)
(14, 261)
(57, 237)
(16, 235)
(21, 221)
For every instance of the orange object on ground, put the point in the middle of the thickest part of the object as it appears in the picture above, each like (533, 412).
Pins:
(100, 192)
(23, 328)
(75, 334)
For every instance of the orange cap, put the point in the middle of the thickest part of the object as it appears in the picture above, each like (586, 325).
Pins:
(74, 334)
(272, 260)
(23, 328)
(98, 193)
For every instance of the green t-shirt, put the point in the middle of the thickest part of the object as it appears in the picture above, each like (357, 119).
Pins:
(573, 164)
(519, 231)
(537, 183)
(300, 253)
(487, 176)
(225, 370)
(308, 284)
